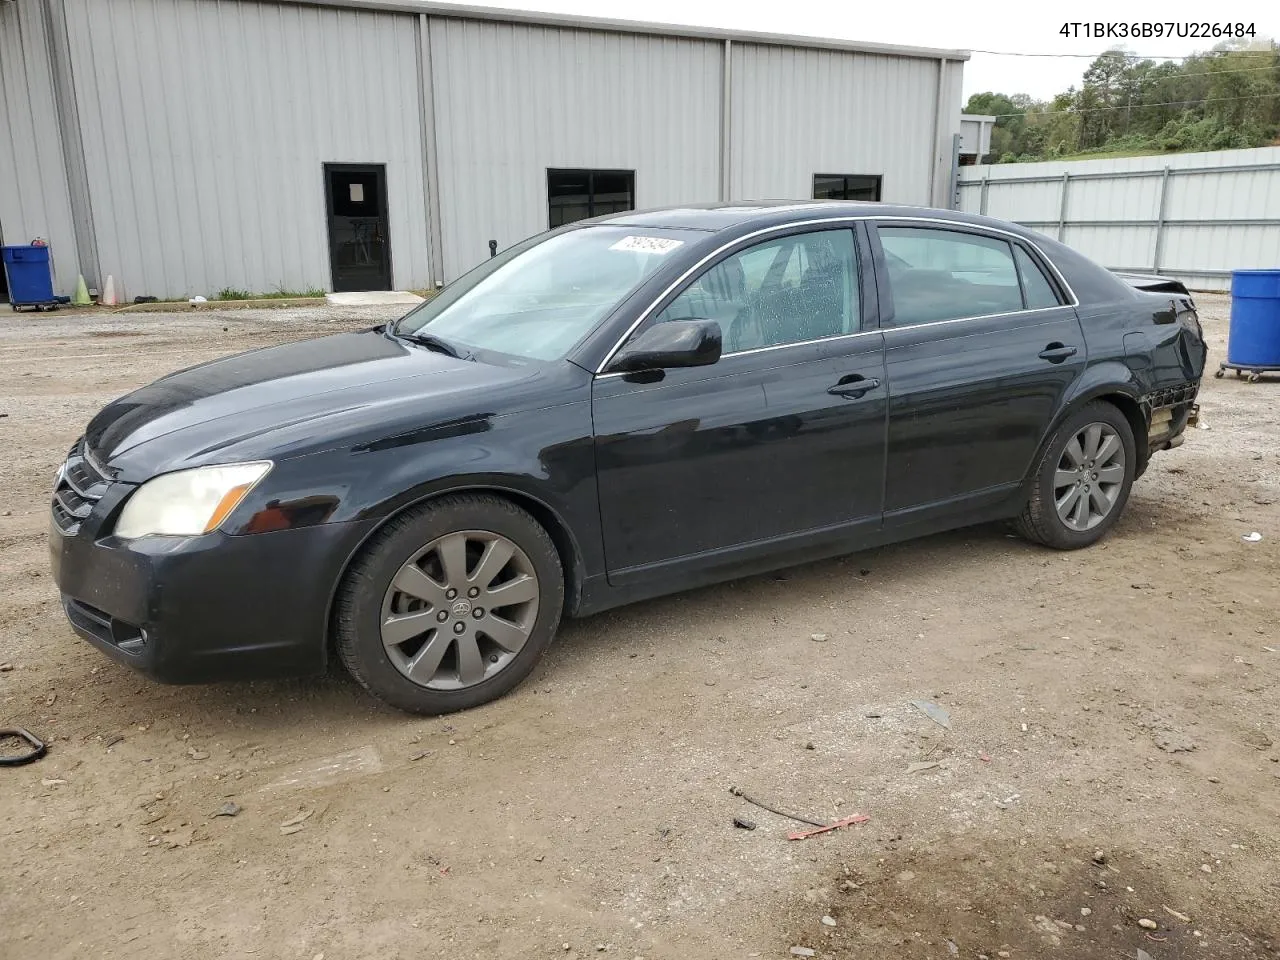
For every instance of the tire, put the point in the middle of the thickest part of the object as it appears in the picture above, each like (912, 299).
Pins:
(1041, 520)
(455, 654)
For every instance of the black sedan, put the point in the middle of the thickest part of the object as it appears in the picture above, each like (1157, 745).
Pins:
(618, 409)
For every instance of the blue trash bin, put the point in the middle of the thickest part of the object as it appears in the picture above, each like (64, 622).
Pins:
(29, 276)
(1253, 340)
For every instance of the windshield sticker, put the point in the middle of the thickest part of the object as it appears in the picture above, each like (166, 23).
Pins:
(657, 245)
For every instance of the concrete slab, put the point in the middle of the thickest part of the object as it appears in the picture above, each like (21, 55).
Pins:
(181, 306)
(372, 298)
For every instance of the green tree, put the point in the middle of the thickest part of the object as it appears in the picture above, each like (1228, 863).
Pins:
(1008, 127)
(1222, 98)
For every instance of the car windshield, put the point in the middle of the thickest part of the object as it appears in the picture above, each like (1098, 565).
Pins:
(540, 298)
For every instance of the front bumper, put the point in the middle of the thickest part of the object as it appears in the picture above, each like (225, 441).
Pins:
(198, 609)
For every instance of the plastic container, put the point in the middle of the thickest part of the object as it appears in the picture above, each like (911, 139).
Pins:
(1254, 338)
(28, 273)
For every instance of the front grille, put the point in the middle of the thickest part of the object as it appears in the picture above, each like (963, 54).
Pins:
(80, 485)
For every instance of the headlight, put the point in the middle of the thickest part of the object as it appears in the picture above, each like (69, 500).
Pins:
(189, 502)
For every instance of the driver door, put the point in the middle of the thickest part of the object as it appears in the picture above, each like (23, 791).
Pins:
(770, 446)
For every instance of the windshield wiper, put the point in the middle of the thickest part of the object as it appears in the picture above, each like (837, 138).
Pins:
(432, 342)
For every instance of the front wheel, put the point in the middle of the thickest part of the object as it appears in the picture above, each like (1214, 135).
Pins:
(451, 605)
(1082, 480)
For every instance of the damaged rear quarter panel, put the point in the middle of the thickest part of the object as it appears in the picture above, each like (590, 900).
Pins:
(1148, 348)
(1144, 345)
(1118, 352)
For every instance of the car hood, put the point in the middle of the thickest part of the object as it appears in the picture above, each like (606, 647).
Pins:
(289, 400)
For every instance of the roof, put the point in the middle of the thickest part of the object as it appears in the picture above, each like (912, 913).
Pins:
(536, 18)
(1089, 282)
(977, 117)
(709, 216)
(719, 216)
(715, 217)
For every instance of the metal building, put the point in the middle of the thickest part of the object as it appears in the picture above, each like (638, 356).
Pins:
(185, 146)
(975, 137)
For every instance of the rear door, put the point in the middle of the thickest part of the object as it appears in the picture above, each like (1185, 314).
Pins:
(980, 346)
(782, 437)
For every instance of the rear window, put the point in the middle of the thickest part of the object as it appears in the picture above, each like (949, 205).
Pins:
(1038, 290)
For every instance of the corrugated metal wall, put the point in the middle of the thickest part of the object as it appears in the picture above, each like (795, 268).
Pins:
(948, 127)
(512, 101)
(800, 112)
(1212, 220)
(196, 131)
(206, 125)
(34, 200)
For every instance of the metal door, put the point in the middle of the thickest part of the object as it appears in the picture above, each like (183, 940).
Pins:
(359, 241)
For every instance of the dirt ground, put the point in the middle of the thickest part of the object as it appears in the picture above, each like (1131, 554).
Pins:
(1121, 702)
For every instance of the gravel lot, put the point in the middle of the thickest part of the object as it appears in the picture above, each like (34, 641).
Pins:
(1120, 701)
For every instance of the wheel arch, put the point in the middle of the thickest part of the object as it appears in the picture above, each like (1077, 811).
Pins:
(562, 537)
(1121, 394)
(1132, 409)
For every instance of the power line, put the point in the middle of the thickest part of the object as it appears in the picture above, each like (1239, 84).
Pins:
(1187, 76)
(1206, 73)
(1137, 106)
(1143, 82)
(1120, 54)
(1124, 83)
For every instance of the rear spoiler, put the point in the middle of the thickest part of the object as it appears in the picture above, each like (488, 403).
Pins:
(1153, 284)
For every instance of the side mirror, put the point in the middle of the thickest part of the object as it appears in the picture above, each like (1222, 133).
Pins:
(676, 343)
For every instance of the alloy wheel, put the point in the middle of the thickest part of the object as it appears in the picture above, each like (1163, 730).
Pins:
(1089, 476)
(459, 610)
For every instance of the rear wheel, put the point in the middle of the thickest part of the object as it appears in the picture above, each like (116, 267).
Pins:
(1082, 480)
(451, 605)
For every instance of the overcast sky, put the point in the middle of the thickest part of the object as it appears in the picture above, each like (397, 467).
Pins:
(1021, 27)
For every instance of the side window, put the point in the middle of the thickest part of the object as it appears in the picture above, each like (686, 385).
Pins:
(797, 288)
(1038, 290)
(947, 275)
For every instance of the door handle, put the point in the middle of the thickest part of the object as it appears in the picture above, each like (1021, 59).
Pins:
(1057, 352)
(853, 386)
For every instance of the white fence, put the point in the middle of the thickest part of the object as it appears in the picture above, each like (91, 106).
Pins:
(1194, 216)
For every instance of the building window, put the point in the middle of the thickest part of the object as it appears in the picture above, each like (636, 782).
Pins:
(579, 194)
(845, 186)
